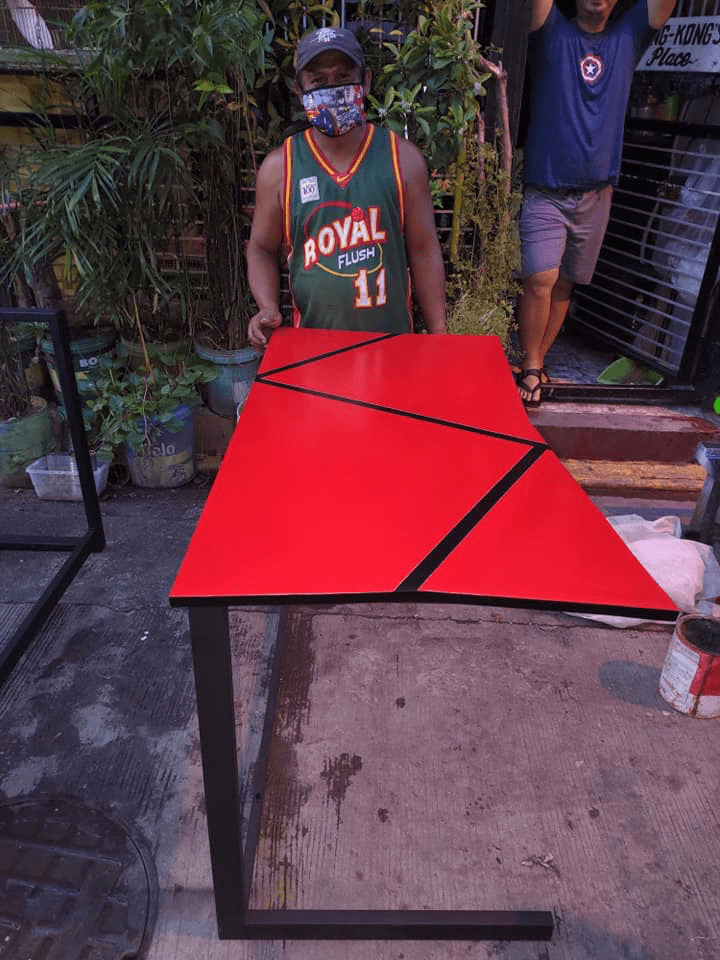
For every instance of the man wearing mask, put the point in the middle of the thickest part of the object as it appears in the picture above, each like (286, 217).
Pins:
(349, 204)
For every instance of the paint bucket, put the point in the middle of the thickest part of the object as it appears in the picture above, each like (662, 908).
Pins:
(690, 677)
(169, 459)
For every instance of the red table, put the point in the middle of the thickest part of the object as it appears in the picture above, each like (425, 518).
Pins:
(374, 467)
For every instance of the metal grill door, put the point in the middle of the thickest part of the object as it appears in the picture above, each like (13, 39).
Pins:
(644, 297)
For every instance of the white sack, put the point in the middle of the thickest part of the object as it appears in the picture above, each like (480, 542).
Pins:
(686, 570)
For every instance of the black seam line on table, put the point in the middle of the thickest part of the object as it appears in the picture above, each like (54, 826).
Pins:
(442, 551)
(424, 596)
(324, 356)
(407, 413)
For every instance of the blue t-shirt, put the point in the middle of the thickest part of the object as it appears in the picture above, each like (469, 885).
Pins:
(579, 88)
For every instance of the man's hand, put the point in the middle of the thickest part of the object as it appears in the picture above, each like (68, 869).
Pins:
(261, 326)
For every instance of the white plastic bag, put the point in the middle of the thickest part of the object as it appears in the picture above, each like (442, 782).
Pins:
(686, 570)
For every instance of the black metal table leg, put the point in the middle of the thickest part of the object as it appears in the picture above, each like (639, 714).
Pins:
(210, 637)
(232, 865)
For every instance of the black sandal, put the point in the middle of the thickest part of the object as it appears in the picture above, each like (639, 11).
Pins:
(546, 378)
(535, 398)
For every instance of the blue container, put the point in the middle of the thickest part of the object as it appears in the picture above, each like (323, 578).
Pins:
(235, 372)
(89, 356)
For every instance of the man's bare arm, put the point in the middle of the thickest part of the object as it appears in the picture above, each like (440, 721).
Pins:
(423, 248)
(539, 14)
(659, 11)
(264, 249)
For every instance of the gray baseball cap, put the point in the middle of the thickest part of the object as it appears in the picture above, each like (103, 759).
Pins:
(328, 38)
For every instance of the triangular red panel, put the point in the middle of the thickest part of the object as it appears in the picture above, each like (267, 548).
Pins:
(366, 466)
(561, 548)
(306, 344)
(425, 380)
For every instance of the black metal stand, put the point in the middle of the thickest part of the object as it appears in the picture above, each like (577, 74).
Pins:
(78, 548)
(233, 862)
(702, 523)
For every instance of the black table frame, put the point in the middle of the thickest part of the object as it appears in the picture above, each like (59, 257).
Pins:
(80, 547)
(233, 860)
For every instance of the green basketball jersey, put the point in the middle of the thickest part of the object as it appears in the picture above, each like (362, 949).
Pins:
(345, 232)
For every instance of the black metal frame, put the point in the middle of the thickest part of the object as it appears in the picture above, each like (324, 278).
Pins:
(696, 378)
(80, 547)
(679, 394)
(702, 524)
(233, 862)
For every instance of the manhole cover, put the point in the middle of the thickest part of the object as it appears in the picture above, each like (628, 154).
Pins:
(73, 884)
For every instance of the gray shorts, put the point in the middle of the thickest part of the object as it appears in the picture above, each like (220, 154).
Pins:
(565, 229)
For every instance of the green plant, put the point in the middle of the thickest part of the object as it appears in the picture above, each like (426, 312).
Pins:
(430, 88)
(432, 91)
(275, 110)
(132, 404)
(160, 100)
(15, 400)
(34, 283)
(482, 284)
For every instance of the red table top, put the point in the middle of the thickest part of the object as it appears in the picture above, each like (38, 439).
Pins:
(373, 467)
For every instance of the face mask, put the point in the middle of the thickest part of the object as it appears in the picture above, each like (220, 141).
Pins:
(335, 110)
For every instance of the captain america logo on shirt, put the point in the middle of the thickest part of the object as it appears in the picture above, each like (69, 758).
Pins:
(591, 68)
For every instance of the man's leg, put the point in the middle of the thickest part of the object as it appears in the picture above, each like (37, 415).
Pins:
(559, 305)
(543, 236)
(587, 223)
(536, 313)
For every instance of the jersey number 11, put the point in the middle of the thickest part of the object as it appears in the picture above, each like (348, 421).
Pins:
(364, 298)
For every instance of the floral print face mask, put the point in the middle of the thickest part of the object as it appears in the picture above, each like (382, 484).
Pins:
(335, 110)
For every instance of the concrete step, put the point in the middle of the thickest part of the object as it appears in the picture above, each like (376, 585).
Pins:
(574, 431)
(616, 432)
(650, 479)
(611, 451)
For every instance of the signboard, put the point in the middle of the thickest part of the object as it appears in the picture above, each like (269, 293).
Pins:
(685, 45)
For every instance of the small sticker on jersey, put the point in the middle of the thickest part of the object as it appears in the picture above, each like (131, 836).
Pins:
(591, 67)
(309, 190)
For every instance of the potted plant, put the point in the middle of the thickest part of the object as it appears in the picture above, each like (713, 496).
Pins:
(225, 174)
(124, 198)
(91, 205)
(147, 414)
(25, 426)
(142, 201)
(254, 108)
(29, 275)
(221, 327)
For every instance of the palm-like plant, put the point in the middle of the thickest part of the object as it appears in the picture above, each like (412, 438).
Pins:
(147, 154)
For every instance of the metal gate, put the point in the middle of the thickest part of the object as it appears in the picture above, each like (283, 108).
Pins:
(659, 261)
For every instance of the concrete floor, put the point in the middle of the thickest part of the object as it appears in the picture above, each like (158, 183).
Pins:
(424, 755)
